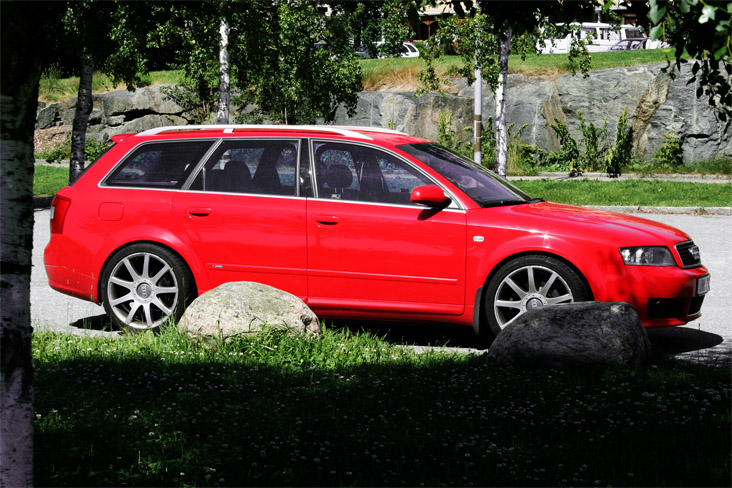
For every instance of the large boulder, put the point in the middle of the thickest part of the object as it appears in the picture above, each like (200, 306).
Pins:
(576, 334)
(243, 307)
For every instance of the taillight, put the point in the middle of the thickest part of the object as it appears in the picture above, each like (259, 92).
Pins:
(59, 207)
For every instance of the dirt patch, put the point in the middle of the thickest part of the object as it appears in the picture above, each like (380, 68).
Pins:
(46, 140)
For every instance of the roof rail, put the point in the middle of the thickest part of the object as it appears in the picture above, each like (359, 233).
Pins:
(229, 128)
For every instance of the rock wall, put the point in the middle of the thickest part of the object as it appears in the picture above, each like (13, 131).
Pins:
(657, 105)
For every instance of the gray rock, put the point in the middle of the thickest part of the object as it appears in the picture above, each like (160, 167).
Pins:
(243, 308)
(657, 105)
(577, 334)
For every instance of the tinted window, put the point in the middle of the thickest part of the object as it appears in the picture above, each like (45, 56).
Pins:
(159, 165)
(354, 172)
(484, 187)
(265, 167)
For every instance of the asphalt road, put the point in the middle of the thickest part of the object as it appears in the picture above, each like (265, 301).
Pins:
(707, 339)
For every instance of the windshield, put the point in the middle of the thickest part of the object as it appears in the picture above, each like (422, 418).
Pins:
(483, 186)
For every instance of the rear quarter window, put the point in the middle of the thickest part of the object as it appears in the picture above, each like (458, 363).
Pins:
(159, 165)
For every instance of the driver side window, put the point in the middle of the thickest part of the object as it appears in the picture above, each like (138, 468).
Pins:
(359, 173)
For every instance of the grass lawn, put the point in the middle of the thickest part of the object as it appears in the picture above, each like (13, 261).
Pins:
(350, 409)
(391, 73)
(630, 192)
(50, 179)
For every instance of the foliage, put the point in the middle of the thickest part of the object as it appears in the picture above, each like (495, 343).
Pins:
(701, 29)
(484, 37)
(352, 409)
(92, 150)
(520, 154)
(671, 152)
(619, 156)
(568, 158)
(595, 144)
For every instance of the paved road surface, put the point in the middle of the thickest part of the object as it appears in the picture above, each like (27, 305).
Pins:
(708, 338)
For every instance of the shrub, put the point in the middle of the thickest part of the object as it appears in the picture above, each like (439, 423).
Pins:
(618, 157)
(671, 153)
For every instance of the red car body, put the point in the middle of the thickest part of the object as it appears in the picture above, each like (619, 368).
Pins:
(429, 253)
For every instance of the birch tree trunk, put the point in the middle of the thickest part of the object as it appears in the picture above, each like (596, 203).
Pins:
(84, 104)
(501, 128)
(222, 114)
(20, 73)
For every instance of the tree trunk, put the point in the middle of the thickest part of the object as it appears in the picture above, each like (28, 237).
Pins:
(20, 73)
(84, 104)
(478, 117)
(222, 115)
(501, 128)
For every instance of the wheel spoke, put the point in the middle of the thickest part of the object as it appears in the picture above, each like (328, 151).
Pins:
(547, 286)
(148, 316)
(123, 283)
(131, 270)
(133, 310)
(146, 266)
(160, 274)
(162, 307)
(561, 299)
(122, 299)
(508, 304)
(532, 282)
(521, 293)
(162, 290)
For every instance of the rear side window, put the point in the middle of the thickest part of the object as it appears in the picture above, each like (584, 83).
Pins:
(264, 167)
(159, 165)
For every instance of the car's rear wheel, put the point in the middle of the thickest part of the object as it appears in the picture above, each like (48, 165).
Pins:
(529, 282)
(144, 285)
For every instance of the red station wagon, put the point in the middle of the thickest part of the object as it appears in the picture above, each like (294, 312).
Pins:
(360, 223)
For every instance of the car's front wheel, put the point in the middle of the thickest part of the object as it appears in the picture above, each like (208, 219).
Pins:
(529, 282)
(144, 285)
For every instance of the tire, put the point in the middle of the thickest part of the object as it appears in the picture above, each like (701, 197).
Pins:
(512, 293)
(144, 285)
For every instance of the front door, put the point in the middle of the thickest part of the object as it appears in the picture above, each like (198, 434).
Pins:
(369, 247)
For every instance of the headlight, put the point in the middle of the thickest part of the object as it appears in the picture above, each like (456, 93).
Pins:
(647, 256)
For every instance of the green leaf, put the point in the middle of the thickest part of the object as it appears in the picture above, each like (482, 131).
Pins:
(656, 13)
(656, 32)
(708, 13)
(719, 53)
(684, 7)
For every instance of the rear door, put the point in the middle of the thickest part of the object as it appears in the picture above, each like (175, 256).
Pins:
(243, 214)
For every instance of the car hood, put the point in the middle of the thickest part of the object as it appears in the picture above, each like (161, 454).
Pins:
(554, 217)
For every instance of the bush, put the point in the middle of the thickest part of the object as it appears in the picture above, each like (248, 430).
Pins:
(618, 157)
(92, 150)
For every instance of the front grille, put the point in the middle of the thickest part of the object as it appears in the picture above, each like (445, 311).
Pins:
(689, 254)
(695, 305)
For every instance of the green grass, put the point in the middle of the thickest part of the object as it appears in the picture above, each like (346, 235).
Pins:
(47, 180)
(350, 409)
(630, 192)
(54, 89)
(391, 72)
(50, 179)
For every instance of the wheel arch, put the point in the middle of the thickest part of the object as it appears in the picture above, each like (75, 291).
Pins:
(558, 257)
(480, 325)
(144, 241)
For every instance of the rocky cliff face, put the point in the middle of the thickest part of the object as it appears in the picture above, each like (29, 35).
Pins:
(656, 103)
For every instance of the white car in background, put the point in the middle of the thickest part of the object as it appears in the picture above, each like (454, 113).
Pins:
(408, 50)
(604, 37)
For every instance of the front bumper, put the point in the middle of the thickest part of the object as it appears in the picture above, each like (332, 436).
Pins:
(667, 296)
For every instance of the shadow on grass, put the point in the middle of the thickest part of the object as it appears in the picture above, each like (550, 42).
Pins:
(418, 334)
(97, 322)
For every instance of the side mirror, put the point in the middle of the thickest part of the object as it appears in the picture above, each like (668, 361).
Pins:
(429, 195)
